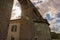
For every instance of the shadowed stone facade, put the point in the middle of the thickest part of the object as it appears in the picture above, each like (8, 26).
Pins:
(28, 29)
(42, 30)
(14, 30)
(5, 11)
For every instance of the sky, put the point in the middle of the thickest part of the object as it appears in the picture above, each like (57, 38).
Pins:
(16, 10)
(49, 9)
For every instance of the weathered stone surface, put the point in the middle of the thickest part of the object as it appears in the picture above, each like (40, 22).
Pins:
(5, 11)
(28, 29)
(14, 34)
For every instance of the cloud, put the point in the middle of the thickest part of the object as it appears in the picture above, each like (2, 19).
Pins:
(34, 0)
(58, 15)
(48, 16)
(16, 11)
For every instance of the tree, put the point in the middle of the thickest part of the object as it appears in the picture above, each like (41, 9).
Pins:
(54, 35)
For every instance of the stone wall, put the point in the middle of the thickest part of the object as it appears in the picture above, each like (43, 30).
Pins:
(14, 34)
(5, 11)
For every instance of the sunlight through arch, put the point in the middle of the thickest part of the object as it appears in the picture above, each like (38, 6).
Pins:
(16, 10)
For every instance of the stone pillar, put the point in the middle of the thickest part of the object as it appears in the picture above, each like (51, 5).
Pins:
(27, 26)
(5, 11)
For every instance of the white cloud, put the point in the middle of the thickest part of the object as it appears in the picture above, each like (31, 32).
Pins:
(34, 0)
(16, 11)
(52, 12)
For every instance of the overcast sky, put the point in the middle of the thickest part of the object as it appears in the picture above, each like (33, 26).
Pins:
(50, 9)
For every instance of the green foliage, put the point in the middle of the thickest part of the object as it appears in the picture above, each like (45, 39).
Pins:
(55, 35)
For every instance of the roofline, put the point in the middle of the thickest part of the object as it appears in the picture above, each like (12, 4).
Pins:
(42, 21)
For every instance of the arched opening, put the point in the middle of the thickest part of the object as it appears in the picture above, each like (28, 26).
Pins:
(16, 10)
(13, 30)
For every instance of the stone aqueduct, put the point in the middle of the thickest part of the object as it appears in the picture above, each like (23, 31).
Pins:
(5, 13)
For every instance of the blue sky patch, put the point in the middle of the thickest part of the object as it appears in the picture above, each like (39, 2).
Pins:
(39, 1)
(58, 14)
(57, 21)
(48, 17)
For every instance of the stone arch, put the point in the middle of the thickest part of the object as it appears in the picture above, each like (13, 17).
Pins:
(5, 12)
(27, 28)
